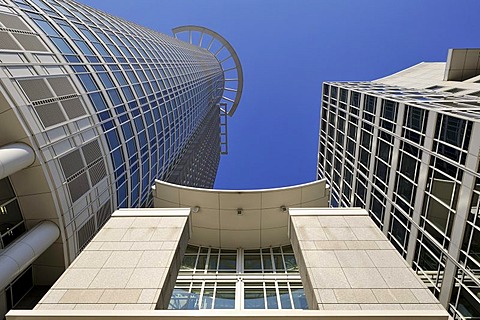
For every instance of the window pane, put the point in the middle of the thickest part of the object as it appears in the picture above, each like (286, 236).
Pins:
(267, 262)
(106, 80)
(252, 262)
(398, 231)
(272, 299)
(437, 214)
(207, 299)
(404, 188)
(228, 263)
(370, 104)
(62, 45)
(299, 299)
(188, 262)
(46, 27)
(183, 300)
(87, 82)
(6, 192)
(408, 166)
(389, 110)
(414, 118)
(254, 299)
(291, 263)
(452, 130)
(225, 299)
(201, 262)
(285, 299)
(212, 262)
(278, 263)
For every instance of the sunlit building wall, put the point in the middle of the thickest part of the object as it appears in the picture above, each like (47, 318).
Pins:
(406, 148)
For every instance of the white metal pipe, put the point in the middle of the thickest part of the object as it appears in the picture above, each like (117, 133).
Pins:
(24, 251)
(15, 157)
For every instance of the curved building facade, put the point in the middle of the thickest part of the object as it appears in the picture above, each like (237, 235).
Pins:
(107, 107)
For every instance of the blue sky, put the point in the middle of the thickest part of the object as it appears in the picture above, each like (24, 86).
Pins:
(288, 48)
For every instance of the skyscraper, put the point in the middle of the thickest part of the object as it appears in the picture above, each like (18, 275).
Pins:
(93, 109)
(406, 148)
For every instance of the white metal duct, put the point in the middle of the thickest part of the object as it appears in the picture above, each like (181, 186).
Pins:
(15, 157)
(25, 250)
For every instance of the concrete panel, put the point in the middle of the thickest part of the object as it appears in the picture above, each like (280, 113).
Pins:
(354, 267)
(111, 274)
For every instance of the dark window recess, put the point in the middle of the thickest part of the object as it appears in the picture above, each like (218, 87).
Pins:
(368, 117)
(341, 122)
(347, 191)
(366, 140)
(369, 105)
(378, 210)
(413, 136)
(384, 151)
(343, 95)
(334, 202)
(367, 127)
(468, 306)
(389, 110)
(425, 260)
(361, 191)
(387, 125)
(19, 288)
(453, 130)
(404, 189)
(399, 232)
(351, 147)
(326, 89)
(340, 139)
(6, 191)
(415, 119)
(447, 168)
(348, 177)
(411, 150)
(403, 205)
(382, 171)
(333, 92)
(352, 131)
(448, 151)
(364, 157)
(355, 99)
(408, 166)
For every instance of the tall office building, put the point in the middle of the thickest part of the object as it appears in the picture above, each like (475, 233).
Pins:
(406, 148)
(93, 109)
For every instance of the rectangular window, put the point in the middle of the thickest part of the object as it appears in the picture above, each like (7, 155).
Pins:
(370, 103)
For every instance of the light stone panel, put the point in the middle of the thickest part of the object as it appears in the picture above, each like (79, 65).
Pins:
(121, 269)
(346, 263)
(241, 218)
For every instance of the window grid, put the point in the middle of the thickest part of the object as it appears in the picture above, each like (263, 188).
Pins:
(93, 42)
(266, 278)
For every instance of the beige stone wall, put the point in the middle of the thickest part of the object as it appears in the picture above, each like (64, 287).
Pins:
(347, 263)
(132, 263)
